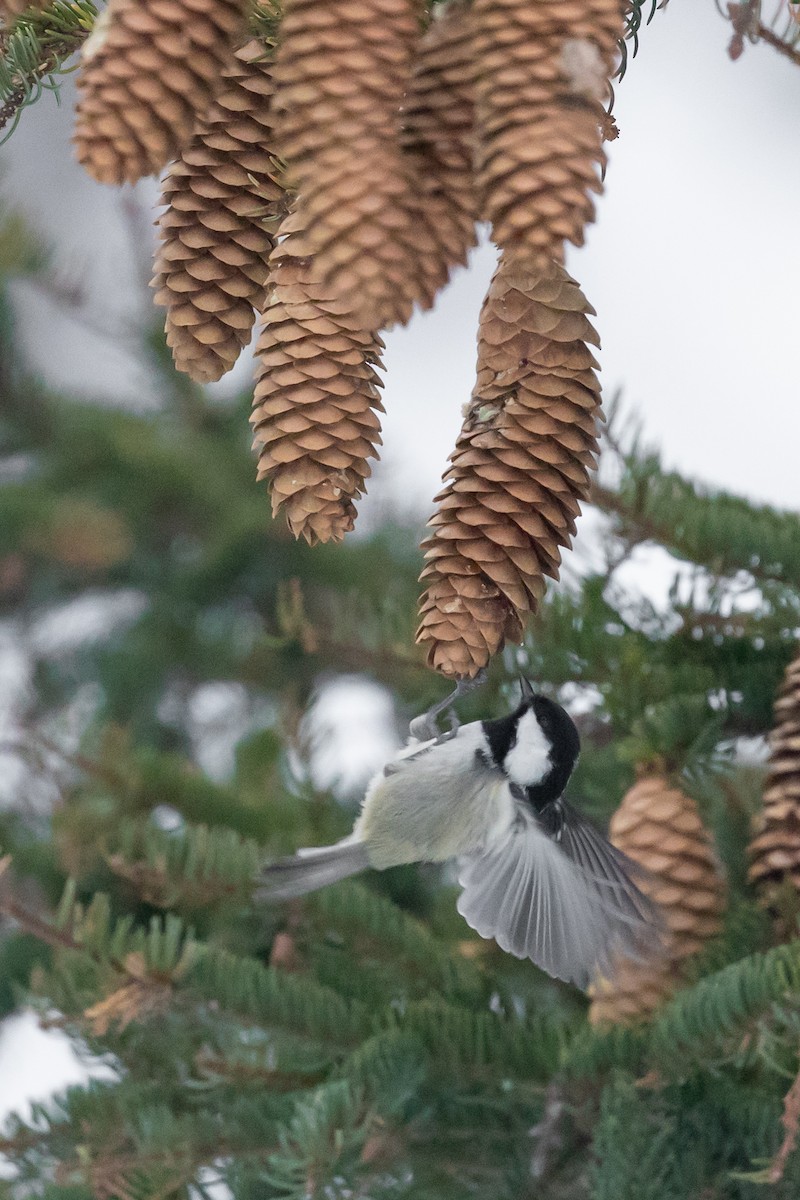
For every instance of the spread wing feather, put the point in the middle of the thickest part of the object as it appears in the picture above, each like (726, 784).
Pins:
(605, 865)
(570, 912)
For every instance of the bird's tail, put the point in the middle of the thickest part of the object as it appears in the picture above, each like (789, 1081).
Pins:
(311, 869)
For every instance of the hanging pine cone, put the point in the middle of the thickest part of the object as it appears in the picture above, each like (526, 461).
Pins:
(316, 398)
(150, 70)
(660, 828)
(438, 134)
(544, 77)
(342, 70)
(224, 198)
(519, 470)
(775, 848)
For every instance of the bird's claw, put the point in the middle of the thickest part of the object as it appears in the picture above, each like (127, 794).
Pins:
(424, 727)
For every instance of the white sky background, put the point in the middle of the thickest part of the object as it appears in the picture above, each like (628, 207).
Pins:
(692, 268)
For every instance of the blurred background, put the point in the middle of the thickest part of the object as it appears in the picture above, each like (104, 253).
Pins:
(156, 627)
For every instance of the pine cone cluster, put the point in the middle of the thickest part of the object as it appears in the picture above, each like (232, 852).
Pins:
(543, 79)
(660, 828)
(519, 470)
(316, 399)
(391, 139)
(224, 199)
(150, 70)
(775, 847)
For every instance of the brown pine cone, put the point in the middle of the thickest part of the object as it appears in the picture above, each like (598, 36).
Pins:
(224, 198)
(544, 72)
(342, 70)
(150, 70)
(316, 399)
(519, 470)
(438, 134)
(660, 828)
(775, 847)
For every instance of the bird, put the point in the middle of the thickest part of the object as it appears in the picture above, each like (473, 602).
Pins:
(534, 873)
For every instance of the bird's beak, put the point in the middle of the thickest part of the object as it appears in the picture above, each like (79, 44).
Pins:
(527, 690)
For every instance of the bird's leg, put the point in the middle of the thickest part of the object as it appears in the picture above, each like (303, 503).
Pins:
(424, 727)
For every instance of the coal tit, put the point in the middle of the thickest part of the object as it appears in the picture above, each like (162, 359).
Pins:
(535, 875)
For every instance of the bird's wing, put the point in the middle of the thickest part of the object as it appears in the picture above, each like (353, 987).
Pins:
(608, 869)
(538, 903)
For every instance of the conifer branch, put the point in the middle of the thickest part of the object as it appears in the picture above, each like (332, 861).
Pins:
(637, 13)
(35, 49)
(247, 988)
(33, 923)
(701, 1026)
(713, 527)
(397, 935)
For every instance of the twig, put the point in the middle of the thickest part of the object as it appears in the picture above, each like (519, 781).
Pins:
(39, 742)
(765, 34)
(32, 923)
(54, 54)
(13, 104)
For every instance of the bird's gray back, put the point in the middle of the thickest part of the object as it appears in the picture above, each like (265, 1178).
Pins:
(441, 793)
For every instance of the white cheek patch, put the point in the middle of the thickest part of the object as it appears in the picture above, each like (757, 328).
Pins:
(528, 760)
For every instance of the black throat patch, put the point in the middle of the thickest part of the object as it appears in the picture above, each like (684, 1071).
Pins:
(501, 735)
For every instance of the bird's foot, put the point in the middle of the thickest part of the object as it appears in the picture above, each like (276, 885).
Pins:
(424, 727)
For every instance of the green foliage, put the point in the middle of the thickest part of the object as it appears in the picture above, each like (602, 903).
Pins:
(637, 13)
(635, 1149)
(20, 954)
(707, 1023)
(374, 926)
(36, 50)
(723, 532)
(275, 998)
(186, 869)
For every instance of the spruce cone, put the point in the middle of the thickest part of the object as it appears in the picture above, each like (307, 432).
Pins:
(660, 828)
(519, 470)
(316, 399)
(775, 848)
(438, 134)
(151, 69)
(222, 194)
(544, 76)
(342, 70)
